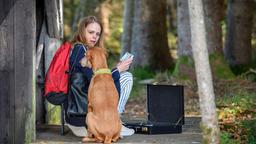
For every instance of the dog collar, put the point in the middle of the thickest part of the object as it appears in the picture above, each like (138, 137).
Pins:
(102, 71)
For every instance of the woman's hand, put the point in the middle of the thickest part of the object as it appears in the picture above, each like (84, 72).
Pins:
(124, 65)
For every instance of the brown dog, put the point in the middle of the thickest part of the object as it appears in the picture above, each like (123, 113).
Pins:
(103, 121)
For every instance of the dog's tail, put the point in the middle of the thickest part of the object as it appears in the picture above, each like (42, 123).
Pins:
(107, 140)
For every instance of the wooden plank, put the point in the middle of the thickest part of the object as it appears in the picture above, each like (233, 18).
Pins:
(54, 16)
(5, 7)
(17, 64)
(6, 76)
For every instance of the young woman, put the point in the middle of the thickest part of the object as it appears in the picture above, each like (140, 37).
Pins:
(89, 34)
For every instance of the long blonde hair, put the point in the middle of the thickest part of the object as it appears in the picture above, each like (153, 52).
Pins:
(79, 34)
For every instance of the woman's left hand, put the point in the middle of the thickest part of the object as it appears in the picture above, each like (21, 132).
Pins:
(124, 65)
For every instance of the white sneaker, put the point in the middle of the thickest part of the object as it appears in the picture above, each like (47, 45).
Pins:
(77, 131)
(126, 131)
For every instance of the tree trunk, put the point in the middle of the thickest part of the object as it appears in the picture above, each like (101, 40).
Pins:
(254, 19)
(149, 37)
(79, 13)
(184, 34)
(238, 46)
(213, 15)
(172, 14)
(210, 129)
(127, 27)
(184, 68)
(104, 13)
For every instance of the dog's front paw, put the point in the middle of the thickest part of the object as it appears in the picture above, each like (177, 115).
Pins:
(88, 139)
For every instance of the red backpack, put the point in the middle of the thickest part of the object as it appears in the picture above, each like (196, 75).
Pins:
(56, 79)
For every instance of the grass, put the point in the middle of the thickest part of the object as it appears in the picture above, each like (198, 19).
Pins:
(226, 138)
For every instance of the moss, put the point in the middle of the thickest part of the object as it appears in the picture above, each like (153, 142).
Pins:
(184, 68)
(220, 68)
(208, 133)
(30, 127)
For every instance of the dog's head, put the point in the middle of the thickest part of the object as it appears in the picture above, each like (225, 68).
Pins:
(95, 58)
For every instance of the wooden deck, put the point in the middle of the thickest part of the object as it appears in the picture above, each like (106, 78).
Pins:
(50, 134)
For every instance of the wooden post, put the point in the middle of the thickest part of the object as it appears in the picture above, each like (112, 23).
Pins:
(17, 72)
(54, 16)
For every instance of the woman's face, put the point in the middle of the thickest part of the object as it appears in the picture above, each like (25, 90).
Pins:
(92, 33)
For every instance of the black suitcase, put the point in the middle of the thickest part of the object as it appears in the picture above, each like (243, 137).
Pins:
(165, 106)
(154, 128)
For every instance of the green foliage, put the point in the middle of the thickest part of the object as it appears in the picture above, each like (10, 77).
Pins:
(238, 102)
(237, 116)
(141, 73)
(250, 127)
(225, 138)
(53, 114)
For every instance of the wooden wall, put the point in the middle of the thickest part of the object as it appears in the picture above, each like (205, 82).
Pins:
(17, 71)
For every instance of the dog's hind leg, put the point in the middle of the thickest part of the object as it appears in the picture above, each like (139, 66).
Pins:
(116, 137)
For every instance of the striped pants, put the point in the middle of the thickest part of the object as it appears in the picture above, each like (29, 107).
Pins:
(126, 82)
